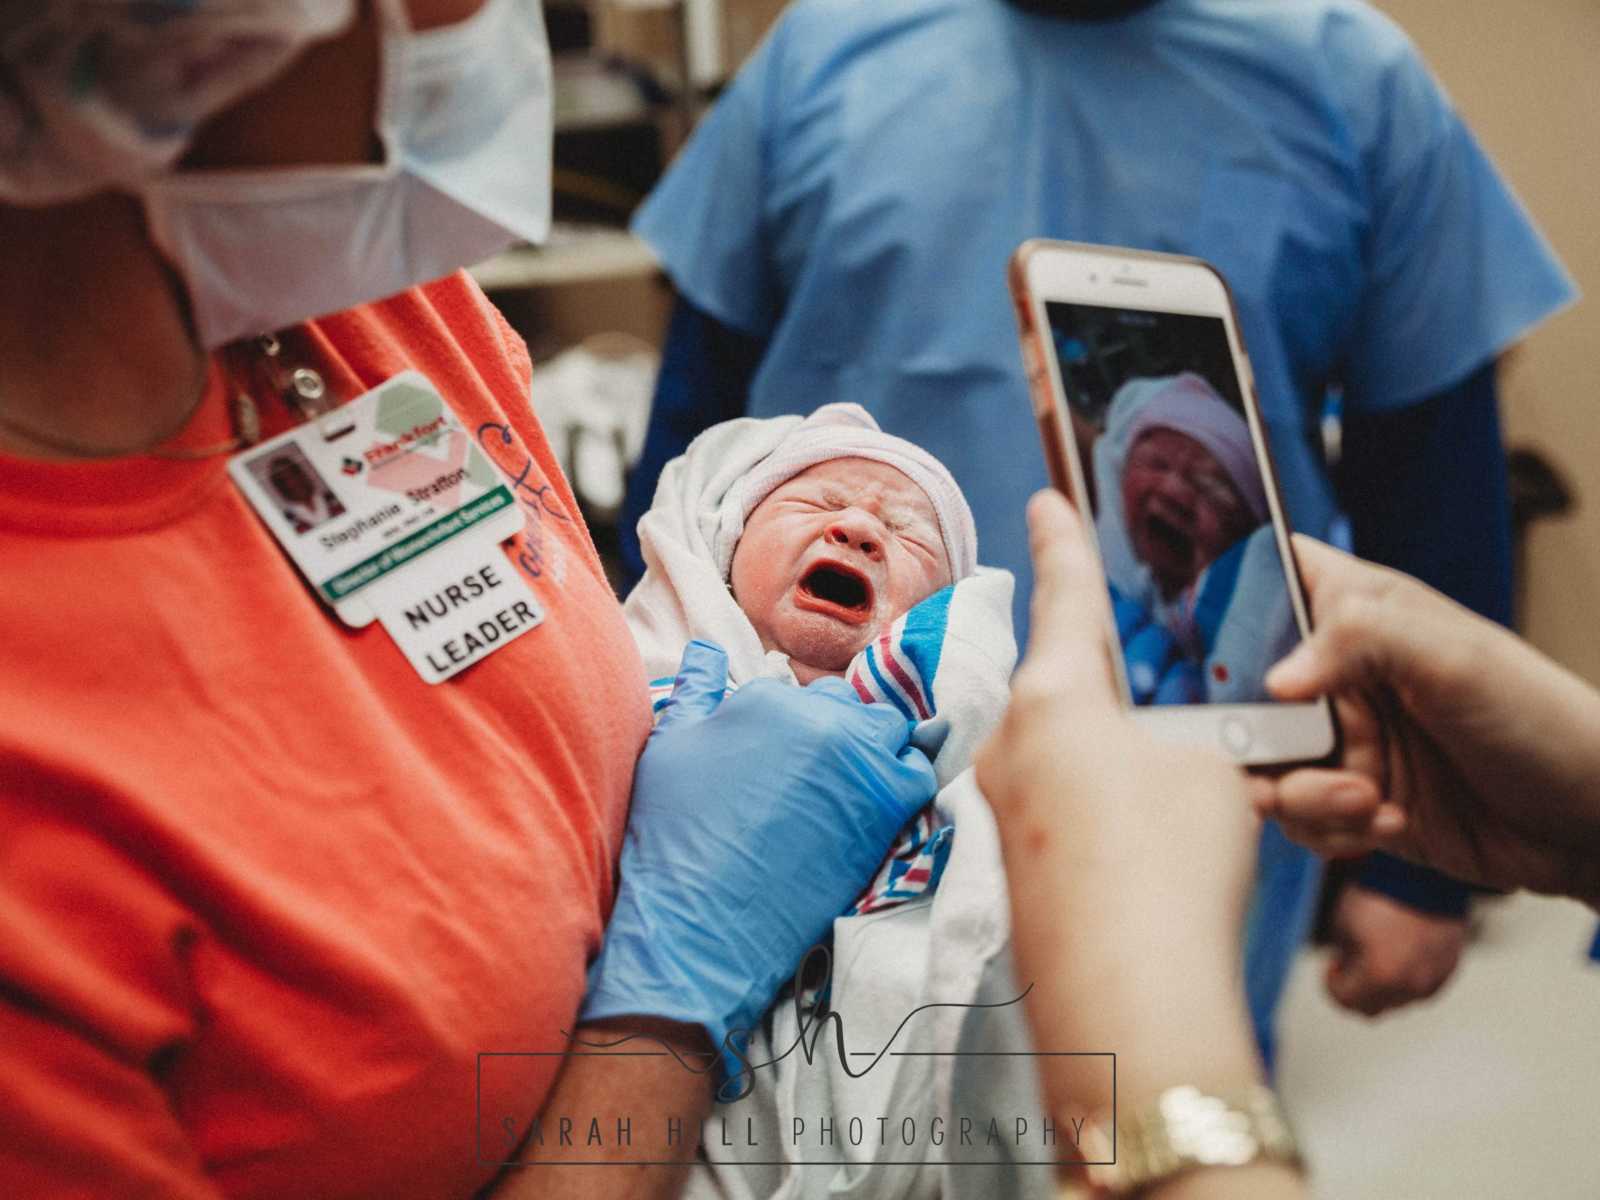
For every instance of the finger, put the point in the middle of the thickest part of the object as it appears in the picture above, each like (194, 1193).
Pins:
(1389, 824)
(1334, 799)
(1317, 667)
(1335, 813)
(700, 685)
(1318, 563)
(918, 783)
(886, 724)
(1328, 572)
(1362, 998)
(1263, 795)
(1341, 952)
(832, 685)
(1329, 845)
(1346, 979)
(1069, 612)
(1321, 662)
(1369, 996)
(1370, 624)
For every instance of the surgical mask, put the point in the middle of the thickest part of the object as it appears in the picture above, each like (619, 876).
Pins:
(464, 114)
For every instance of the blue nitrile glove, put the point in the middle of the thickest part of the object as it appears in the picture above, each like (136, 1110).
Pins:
(756, 820)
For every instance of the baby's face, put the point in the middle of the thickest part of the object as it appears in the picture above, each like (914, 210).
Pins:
(1182, 507)
(833, 556)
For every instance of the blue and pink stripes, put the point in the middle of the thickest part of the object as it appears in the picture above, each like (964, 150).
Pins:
(912, 868)
(899, 667)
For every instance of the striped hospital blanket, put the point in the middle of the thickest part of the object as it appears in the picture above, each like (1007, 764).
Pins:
(897, 669)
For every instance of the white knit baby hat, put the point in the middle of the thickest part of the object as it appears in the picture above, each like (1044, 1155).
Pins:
(849, 431)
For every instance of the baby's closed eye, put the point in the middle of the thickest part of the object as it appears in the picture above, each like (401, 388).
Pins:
(913, 528)
(808, 503)
(915, 539)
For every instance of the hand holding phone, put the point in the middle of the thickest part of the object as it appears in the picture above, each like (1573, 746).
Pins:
(1146, 407)
(1068, 757)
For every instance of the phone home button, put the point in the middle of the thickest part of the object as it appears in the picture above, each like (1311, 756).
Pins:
(1235, 736)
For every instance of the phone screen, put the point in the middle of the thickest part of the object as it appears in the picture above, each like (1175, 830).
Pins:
(1198, 586)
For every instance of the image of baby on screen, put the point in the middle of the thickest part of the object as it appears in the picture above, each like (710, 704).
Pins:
(1185, 534)
(1181, 510)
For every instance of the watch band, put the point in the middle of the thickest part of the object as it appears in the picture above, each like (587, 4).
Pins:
(1183, 1130)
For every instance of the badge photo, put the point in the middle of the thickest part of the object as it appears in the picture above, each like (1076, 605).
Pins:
(358, 494)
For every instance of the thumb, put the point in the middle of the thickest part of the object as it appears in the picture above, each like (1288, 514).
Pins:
(701, 683)
(1339, 589)
(1069, 615)
(1306, 672)
(1345, 980)
(1345, 974)
(918, 783)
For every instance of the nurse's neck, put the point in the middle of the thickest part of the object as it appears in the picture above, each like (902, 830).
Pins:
(96, 358)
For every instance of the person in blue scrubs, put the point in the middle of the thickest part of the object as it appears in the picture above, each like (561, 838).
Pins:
(838, 229)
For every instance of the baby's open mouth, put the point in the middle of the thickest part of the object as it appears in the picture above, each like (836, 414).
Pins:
(837, 590)
(1176, 543)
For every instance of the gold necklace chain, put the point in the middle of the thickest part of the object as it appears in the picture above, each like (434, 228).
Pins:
(73, 448)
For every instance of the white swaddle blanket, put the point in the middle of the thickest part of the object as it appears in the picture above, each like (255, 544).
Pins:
(948, 950)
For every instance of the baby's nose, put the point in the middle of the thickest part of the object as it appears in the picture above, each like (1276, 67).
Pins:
(856, 533)
(1176, 487)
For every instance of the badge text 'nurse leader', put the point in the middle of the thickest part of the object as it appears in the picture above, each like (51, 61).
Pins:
(464, 602)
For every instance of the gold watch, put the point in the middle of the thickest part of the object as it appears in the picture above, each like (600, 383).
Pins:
(1183, 1130)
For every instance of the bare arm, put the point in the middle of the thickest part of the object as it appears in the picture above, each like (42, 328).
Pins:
(634, 1112)
(1129, 863)
(1260, 1181)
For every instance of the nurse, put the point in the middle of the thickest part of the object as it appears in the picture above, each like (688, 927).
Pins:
(278, 917)
(838, 229)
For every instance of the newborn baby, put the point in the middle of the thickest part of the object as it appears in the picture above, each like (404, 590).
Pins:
(825, 546)
(834, 534)
(805, 548)
(834, 555)
(1183, 506)
(1197, 584)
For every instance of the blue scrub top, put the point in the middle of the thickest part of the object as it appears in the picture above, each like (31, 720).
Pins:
(854, 196)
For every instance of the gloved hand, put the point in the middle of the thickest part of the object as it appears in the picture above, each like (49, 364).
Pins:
(756, 820)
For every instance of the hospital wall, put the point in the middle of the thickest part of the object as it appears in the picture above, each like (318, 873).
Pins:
(1525, 77)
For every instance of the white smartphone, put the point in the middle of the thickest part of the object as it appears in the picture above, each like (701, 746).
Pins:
(1147, 409)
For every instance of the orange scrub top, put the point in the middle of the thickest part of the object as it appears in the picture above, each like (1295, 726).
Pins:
(265, 895)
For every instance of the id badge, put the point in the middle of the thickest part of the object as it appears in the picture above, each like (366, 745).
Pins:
(361, 492)
(456, 607)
